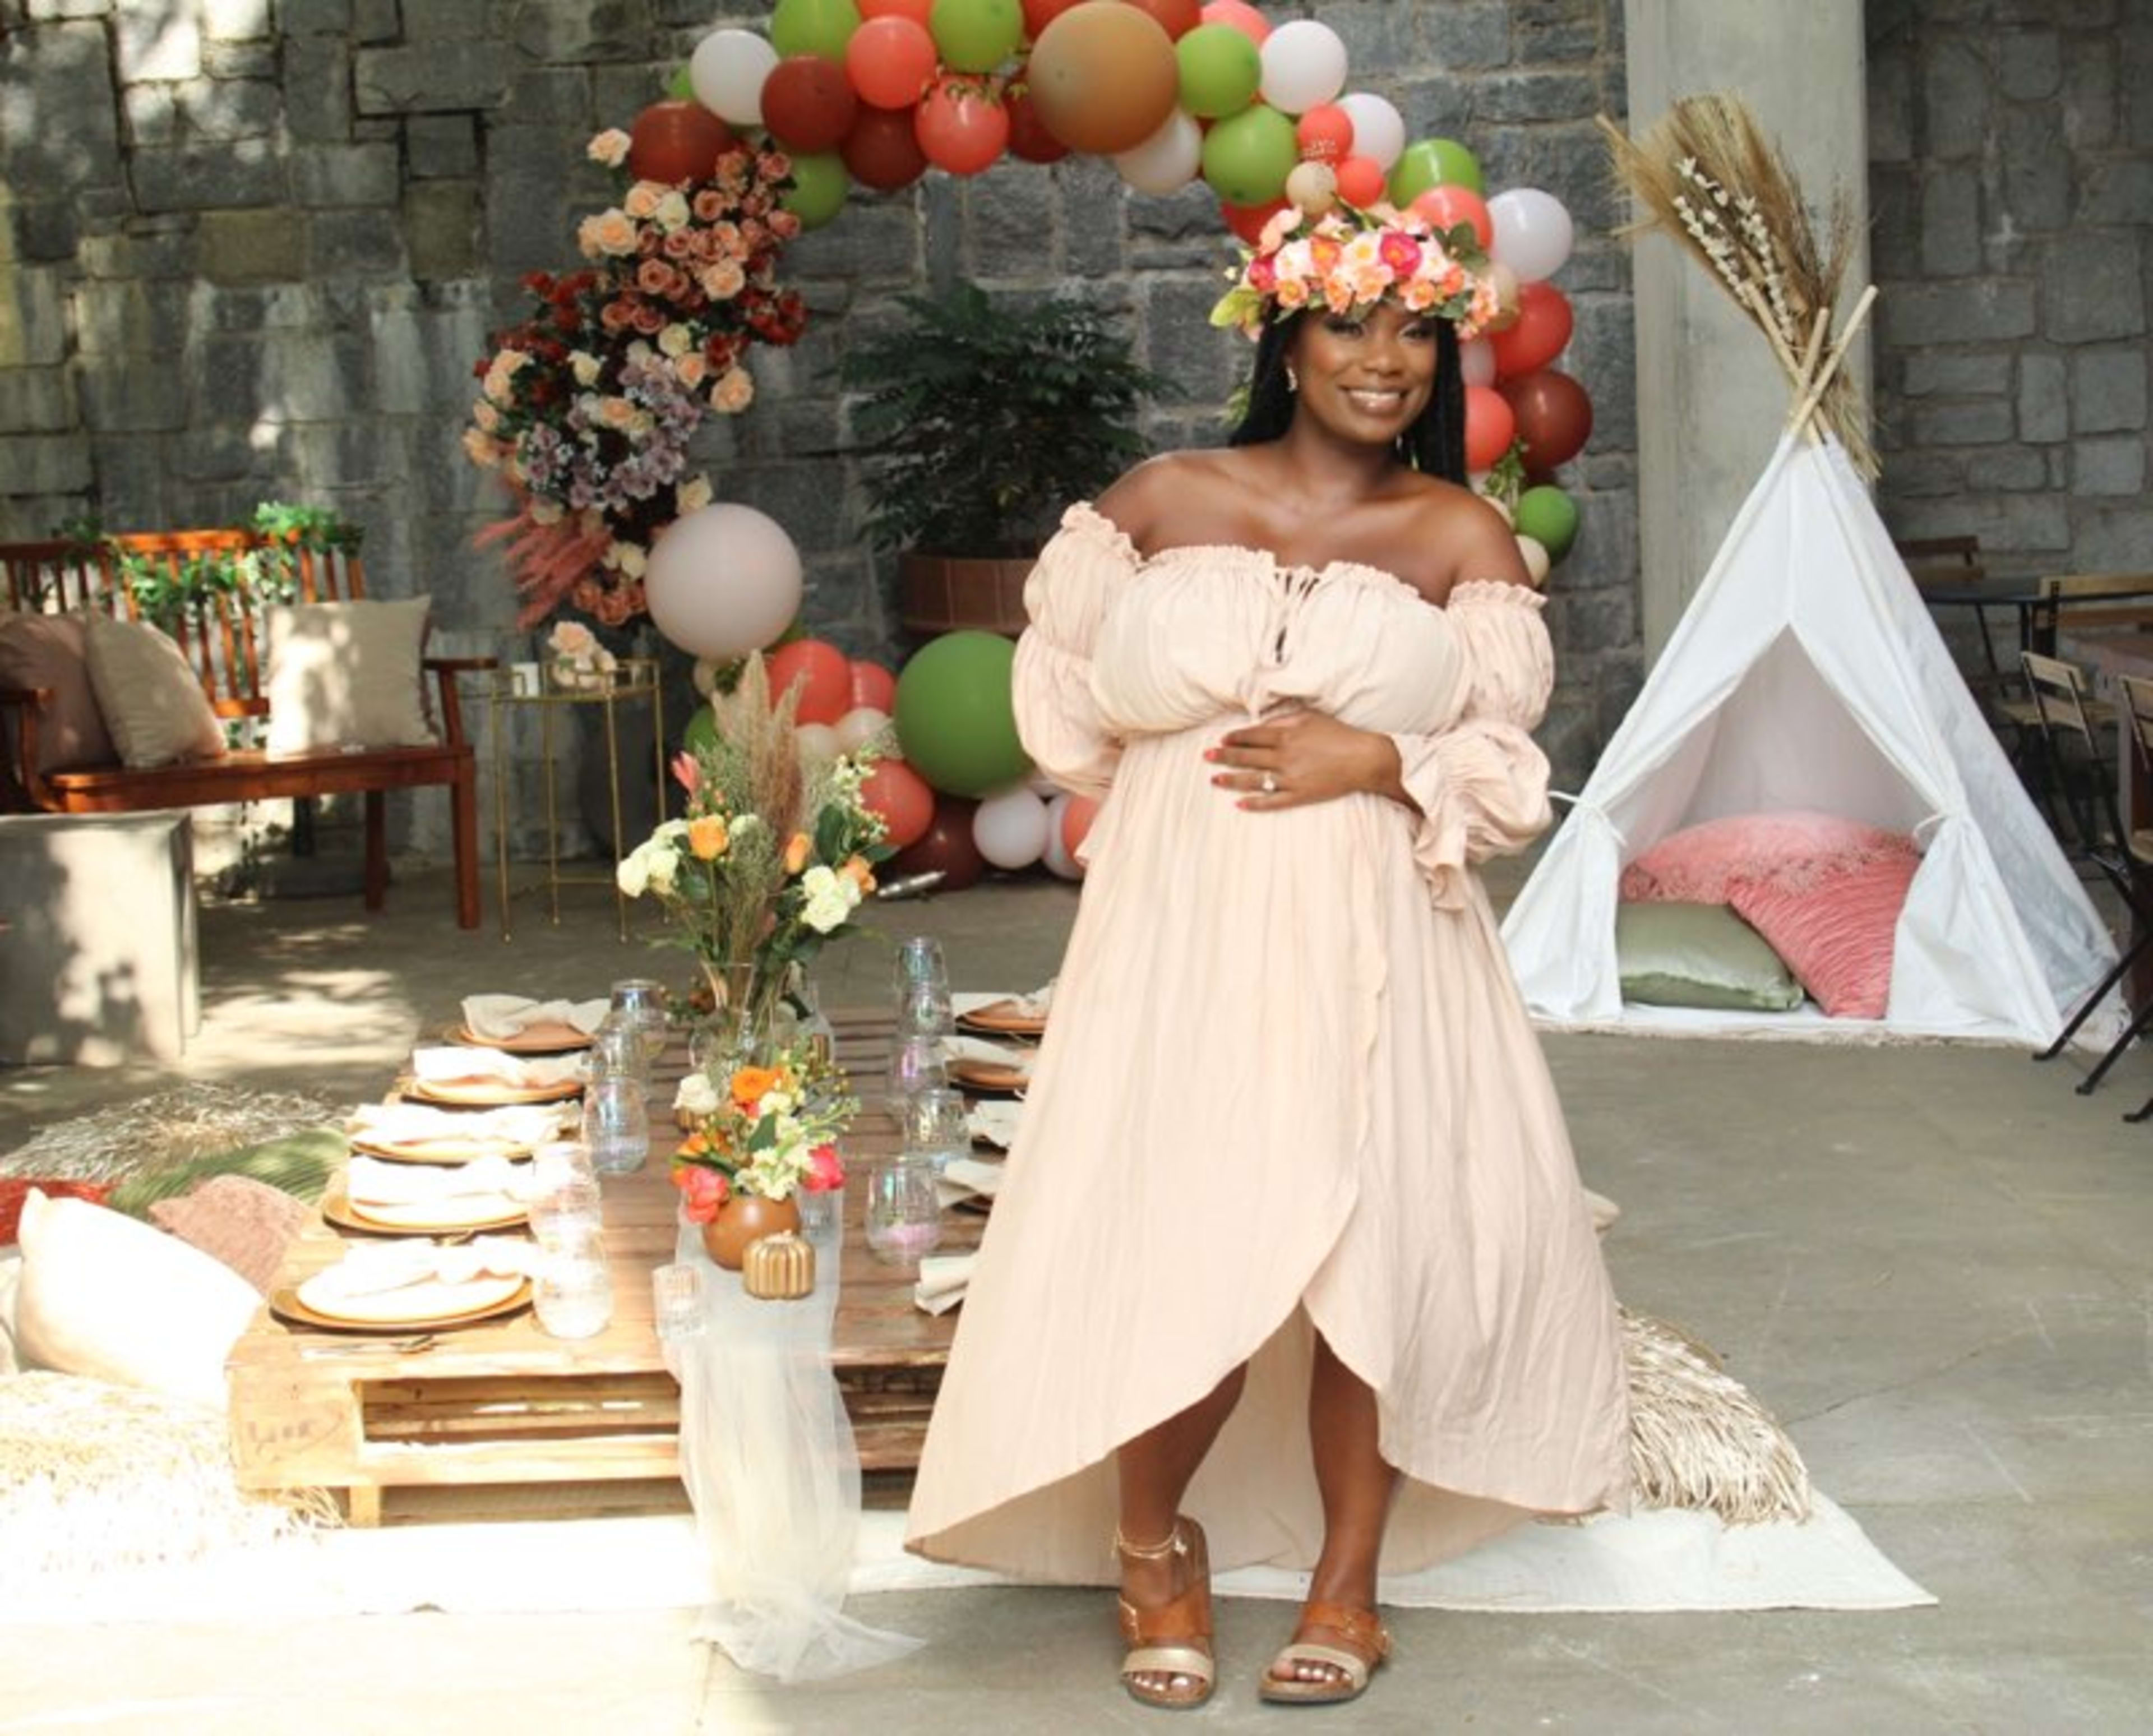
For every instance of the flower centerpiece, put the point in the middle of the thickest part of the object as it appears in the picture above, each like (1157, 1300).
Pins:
(576, 658)
(759, 1138)
(586, 407)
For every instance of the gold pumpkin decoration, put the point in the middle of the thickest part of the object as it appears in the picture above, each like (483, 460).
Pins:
(779, 1268)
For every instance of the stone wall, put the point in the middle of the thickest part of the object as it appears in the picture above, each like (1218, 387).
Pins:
(253, 248)
(2011, 144)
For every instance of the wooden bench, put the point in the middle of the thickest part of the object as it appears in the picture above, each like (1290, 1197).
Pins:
(223, 639)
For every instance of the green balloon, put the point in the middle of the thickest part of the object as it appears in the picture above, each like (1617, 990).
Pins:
(956, 724)
(1220, 71)
(702, 730)
(813, 26)
(1548, 516)
(1248, 156)
(1433, 163)
(681, 87)
(818, 189)
(975, 36)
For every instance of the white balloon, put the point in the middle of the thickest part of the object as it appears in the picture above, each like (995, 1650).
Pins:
(1304, 64)
(1476, 362)
(1535, 555)
(1312, 187)
(817, 742)
(1533, 233)
(1058, 861)
(1167, 162)
(1011, 828)
(1502, 507)
(726, 73)
(859, 726)
(1379, 130)
(704, 676)
(724, 581)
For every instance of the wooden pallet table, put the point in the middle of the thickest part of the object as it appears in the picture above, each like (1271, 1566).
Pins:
(499, 1419)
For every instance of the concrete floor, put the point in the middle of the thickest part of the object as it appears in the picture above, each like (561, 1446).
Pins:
(1931, 1261)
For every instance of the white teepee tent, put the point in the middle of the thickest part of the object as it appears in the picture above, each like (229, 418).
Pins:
(1806, 674)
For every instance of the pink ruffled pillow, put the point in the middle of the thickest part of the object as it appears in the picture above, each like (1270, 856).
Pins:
(1824, 891)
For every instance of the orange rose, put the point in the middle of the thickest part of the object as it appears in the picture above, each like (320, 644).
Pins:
(707, 837)
(749, 1083)
(855, 869)
(797, 850)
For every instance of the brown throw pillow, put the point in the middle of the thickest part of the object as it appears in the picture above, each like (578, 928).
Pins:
(152, 700)
(48, 651)
(246, 1224)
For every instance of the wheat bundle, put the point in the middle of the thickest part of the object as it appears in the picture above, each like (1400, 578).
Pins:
(1698, 1439)
(1706, 175)
(165, 1130)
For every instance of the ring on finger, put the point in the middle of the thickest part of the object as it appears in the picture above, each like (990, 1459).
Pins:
(1271, 783)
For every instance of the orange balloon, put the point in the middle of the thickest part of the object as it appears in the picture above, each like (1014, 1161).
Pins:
(1447, 205)
(1361, 181)
(919, 10)
(1490, 426)
(1325, 133)
(881, 152)
(1539, 335)
(873, 687)
(820, 670)
(1176, 17)
(1104, 77)
(890, 62)
(901, 797)
(960, 126)
(1077, 821)
(1243, 18)
(676, 141)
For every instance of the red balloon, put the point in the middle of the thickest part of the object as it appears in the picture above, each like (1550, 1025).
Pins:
(1177, 18)
(808, 103)
(1077, 821)
(946, 845)
(960, 126)
(1554, 418)
(874, 686)
(1447, 207)
(822, 672)
(890, 62)
(1361, 181)
(1038, 14)
(1538, 334)
(901, 797)
(882, 152)
(1029, 138)
(1248, 220)
(1325, 133)
(676, 141)
(919, 10)
(1490, 426)
(1243, 18)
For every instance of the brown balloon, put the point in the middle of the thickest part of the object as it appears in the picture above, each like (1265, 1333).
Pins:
(882, 151)
(808, 103)
(676, 141)
(946, 847)
(1104, 77)
(1554, 418)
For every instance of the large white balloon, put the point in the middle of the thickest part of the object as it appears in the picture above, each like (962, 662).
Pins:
(1476, 362)
(726, 72)
(1010, 828)
(1167, 162)
(859, 726)
(1379, 130)
(723, 581)
(1304, 64)
(1532, 233)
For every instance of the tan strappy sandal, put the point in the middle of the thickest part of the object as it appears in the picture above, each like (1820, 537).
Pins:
(1369, 1638)
(1174, 1638)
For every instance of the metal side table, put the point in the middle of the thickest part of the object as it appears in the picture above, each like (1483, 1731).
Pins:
(634, 682)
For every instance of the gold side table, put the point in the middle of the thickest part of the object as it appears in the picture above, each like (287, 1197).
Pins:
(635, 682)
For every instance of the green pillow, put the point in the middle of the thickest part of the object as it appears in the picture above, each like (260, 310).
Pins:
(299, 1164)
(1676, 955)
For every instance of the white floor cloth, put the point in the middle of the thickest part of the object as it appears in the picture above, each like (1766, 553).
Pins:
(1660, 1561)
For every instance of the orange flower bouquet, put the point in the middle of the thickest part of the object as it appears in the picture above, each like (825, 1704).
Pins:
(769, 1130)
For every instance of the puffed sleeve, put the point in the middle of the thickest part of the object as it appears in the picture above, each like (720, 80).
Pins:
(1481, 785)
(1076, 575)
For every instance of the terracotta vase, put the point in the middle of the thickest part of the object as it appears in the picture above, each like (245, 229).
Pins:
(744, 1219)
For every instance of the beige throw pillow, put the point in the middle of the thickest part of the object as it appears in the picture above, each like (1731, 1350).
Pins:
(153, 703)
(346, 674)
(50, 651)
(102, 1295)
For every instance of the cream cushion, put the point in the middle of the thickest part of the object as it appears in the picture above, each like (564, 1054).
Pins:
(154, 705)
(346, 674)
(104, 1295)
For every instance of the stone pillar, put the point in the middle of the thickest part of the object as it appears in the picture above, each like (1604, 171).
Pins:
(1710, 399)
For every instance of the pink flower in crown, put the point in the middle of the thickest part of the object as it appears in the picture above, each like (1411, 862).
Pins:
(1324, 252)
(1400, 251)
(1273, 235)
(1263, 275)
(1418, 295)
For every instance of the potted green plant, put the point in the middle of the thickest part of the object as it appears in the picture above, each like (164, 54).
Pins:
(976, 421)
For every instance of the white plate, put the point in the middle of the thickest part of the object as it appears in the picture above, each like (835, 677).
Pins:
(427, 1301)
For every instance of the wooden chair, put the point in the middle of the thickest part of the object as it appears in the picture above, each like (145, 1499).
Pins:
(2090, 603)
(2097, 836)
(2138, 707)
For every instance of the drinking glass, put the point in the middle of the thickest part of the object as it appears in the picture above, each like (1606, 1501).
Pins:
(935, 1128)
(676, 1292)
(616, 1124)
(916, 1064)
(903, 1212)
(919, 961)
(564, 1200)
(641, 1001)
(571, 1288)
(925, 1009)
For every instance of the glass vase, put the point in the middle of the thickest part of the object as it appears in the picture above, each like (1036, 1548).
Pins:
(746, 1020)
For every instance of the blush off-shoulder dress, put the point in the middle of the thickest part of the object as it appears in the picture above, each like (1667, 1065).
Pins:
(1288, 1084)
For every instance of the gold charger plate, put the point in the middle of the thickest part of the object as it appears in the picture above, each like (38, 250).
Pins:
(1002, 1018)
(534, 1040)
(337, 1209)
(441, 1151)
(487, 1094)
(287, 1306)
(988, 1076)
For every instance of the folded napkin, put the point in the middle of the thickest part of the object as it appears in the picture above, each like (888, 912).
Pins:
(942, 1282)
(375, 1268)
(507, 1015)
(522, 1124)
(460, 1064)
(1034, 1005)
(978, 1048)
(994, 1119)
(369, 1182)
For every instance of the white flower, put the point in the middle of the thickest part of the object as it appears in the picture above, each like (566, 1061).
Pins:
(676, 340)
(610, 148)
(664, 865)
(692, 495)
(697, 1095)
(586, 367)
(830, 897)
(634, 872)
(673, 209)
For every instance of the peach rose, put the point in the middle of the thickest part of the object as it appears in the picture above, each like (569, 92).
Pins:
(798, 849)
(734, 392)
(707, 838)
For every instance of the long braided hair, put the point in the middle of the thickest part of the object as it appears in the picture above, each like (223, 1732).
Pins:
(1435, 444)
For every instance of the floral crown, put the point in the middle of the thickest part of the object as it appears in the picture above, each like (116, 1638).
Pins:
(1348, 258)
